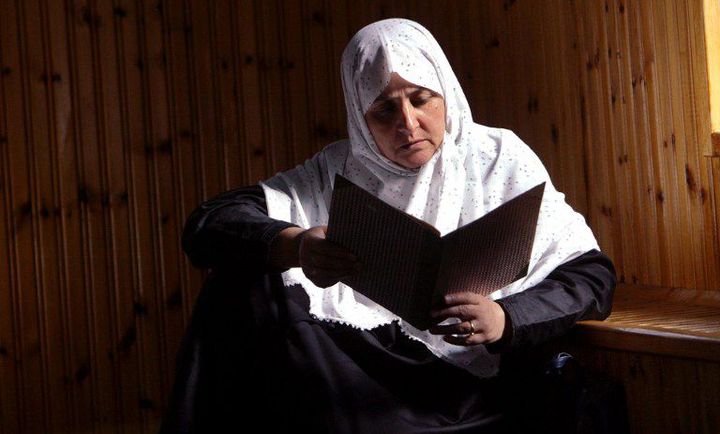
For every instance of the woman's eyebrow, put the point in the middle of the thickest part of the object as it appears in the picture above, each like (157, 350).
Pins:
(382, 97)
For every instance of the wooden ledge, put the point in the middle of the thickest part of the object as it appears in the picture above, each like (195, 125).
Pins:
(674, 322)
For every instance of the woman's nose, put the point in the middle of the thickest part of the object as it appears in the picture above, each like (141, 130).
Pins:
(408, 121)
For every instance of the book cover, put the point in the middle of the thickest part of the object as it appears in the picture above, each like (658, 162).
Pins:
(408, 267)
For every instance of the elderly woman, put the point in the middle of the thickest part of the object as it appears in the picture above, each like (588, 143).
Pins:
(277, 339)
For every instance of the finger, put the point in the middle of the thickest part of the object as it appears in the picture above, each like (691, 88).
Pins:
(463, 311)
(466, 297)
(461, 328)
(332, 263)
(326, 281)
(328, 248)
(332, 249)
(316, 273)
(332, 269)
(324, 273)
(465, 340)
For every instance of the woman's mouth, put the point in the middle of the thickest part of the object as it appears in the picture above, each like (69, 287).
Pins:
(413, 144)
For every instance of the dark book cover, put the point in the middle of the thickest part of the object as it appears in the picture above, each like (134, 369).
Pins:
(408, 267)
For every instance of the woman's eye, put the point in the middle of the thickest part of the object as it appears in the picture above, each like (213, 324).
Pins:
(384, 112)
(421, 97)
(417, 102)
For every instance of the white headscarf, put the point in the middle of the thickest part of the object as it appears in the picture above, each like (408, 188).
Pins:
(475, 170)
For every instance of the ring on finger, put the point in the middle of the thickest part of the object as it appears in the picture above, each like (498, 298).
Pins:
(472, 328)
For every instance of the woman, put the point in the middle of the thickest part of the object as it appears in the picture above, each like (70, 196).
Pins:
(275, 328)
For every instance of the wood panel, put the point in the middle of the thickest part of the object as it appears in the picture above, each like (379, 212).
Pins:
(117, 117)
(663, 394)
(627, 80)
(712, 43)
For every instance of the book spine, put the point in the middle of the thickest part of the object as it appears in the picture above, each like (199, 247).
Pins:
(426, 278)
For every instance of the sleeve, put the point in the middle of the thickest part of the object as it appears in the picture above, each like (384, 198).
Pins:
(579, 289)
(232, 230)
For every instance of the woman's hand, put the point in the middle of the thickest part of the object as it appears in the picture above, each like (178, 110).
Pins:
(482, 320)
(322, 261)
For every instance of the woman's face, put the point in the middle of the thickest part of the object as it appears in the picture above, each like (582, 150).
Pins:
(407, 122)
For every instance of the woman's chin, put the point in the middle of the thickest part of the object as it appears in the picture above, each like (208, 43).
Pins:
(416, 160)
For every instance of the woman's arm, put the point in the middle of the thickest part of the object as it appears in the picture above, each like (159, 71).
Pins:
(577, 290)
(233, 230)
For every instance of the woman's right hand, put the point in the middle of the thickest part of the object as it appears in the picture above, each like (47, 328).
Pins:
(322, 261)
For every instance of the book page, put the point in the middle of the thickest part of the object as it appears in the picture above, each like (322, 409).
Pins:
(399, 253)
(494, 250)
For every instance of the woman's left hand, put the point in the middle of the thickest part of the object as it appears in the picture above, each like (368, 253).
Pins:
(482, 320)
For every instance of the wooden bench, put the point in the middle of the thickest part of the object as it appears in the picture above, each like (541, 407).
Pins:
(664, 346)
(673, 322)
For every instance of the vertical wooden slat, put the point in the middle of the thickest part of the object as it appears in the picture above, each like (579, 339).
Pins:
(271, 86)
(129, 20)
(675, 155)
(91, 192)
(568, 131)
(56, 307)
(322, 120)
(109, 183)
(298, 76)
(339, 38)
(194, 126)
(618, 85)
(84, 373)
(75, 339)
(654, 48)
(215, 67)
(12, 402)
(692, 147)
(629, 158)
(235, 60)
(257, 166)
(226, 89)
(158, 171)
(589, 61)
(642, 144)
(171, 294)
(704, 77)
(181, 139)
(263, 61)
(714, 193)
(711, 34)
(34, 369)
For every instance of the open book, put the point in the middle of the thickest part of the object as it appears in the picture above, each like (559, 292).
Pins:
(408, 267)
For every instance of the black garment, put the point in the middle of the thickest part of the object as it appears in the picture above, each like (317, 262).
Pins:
(252, 339)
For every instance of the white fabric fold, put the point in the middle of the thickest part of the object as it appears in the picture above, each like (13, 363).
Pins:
(475, 170)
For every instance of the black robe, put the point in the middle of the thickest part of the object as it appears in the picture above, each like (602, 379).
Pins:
(252, 355)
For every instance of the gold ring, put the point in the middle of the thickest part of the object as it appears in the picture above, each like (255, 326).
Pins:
(472, 328)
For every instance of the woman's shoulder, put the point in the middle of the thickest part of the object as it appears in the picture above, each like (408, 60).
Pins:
(327, 160)
(337, 150)
(314, 169)
(494, 142)
(501, 137)
(506, 143)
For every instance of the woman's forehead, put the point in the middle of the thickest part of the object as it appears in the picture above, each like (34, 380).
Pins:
(398, 84)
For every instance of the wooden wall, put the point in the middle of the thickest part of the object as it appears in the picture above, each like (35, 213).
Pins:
(664, 394)
(118, 117)
(614, 97)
